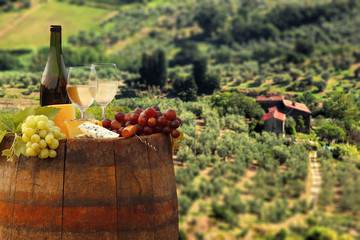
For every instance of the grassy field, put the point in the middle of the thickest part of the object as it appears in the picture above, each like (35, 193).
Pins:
(29, 28)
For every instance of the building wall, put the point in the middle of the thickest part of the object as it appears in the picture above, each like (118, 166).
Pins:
(295, 114)
(274, 125)
(288, 112)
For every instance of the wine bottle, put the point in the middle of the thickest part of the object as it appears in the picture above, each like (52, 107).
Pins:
(54, 78)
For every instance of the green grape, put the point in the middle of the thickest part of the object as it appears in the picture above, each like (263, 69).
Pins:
(42, 144)
(35, 147)
(43, 133)
(25, 138)
(30, 152)
(29, 131)
(28, 144)
(49, 127)
(57, 134)
(35, 138)
(23, 127)
(54, 144)
(57, 128)
(44, 153)
(62, 136)
(41, 125)
(44, 118)
(37, 118)
(30, 122)
(52, 123)
(49, 138)
(52, 153)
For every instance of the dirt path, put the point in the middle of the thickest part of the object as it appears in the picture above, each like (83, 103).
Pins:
(316, 179)
(20, 19)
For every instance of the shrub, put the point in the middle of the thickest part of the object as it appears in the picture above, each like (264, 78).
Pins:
(184, 204)
(318, 233)
(224, 213)
(190, 191)
(182, 234)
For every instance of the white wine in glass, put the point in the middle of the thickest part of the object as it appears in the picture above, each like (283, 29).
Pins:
(81, 87)
(107, 78)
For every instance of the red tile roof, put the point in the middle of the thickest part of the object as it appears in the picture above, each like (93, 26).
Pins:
(274, 114)
(296, 105)
(266, 99)
(272, 109)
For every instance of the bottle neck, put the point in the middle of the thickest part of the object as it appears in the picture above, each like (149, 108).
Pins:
(55, 43)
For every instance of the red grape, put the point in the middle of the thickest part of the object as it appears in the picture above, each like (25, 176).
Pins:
(170, 114)
(158, 114)
(161, 121)
(150, 112)
(177, 118)
(142, 121)
(175, 123)
(139, 129)
(148, 130)
(156, 108)
(157, 129)
(134, 118)
(127, 117)
(138, 111)
(115, 124)
(166, 129)
(120, 130)
(175, 133)
(143, 114)
(152, 122)
(128, 123)
(119, 116)
(106, 123)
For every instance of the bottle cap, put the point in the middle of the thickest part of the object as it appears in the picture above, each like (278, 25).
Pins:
(55, 28)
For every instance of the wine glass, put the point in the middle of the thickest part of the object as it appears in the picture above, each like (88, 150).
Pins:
(107, 78)
(81, 87)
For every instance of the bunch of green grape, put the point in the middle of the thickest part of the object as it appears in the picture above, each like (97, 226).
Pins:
(41, 136)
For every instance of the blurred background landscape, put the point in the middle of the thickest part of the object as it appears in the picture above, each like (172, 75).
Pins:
(208, 60)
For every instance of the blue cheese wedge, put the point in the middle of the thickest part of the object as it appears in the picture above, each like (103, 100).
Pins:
(81, 136)
(94, 131)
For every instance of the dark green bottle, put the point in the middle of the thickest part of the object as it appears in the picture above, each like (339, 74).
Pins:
(54, 78)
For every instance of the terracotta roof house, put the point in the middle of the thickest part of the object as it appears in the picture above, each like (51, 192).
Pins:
(274, 121)
(289, 108)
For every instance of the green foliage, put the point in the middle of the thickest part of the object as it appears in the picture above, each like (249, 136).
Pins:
(321, 233)
(8, 62)
(210, 18)
(224, 213)
(281, 235)
(290, 125)
(189, 51)
(236, 103)
(341, 106)
(185, 88)
(184, 204)
(153, 69)
(233, 200)
(331, 132)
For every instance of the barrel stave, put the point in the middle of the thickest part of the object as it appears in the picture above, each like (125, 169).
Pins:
(134, 190)
(89, 184)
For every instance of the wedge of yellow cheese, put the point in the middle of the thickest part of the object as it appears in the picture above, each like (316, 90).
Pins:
(72, 126)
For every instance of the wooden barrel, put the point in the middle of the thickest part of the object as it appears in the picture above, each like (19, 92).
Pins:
(93, 189)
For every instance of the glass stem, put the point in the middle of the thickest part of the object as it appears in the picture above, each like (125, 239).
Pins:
(82, 114)
(103, 111)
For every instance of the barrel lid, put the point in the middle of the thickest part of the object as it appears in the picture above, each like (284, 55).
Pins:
(55, 28)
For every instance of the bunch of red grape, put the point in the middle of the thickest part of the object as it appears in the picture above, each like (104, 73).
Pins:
(146, 122)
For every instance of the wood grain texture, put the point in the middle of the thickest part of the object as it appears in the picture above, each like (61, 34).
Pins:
(89, 189)
(94, 189)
